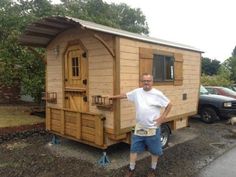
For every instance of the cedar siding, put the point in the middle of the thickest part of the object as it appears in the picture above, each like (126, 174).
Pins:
(186, 77)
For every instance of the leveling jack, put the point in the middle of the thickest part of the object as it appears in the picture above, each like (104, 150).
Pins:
(104, 160)
(55, 140)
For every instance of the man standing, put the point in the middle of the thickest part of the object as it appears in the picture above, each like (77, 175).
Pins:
(148, 103)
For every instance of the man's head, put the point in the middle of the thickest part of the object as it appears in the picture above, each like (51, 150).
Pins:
(147, 81)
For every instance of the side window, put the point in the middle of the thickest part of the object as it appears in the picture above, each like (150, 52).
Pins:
(163, 68)
(211, 91)
(216, 91)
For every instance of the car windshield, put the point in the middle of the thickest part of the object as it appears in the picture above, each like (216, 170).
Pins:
(203, 91)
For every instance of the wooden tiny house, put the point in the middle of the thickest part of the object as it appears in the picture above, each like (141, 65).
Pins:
(86, 61)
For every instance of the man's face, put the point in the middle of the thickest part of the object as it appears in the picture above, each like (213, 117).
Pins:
(147, 81)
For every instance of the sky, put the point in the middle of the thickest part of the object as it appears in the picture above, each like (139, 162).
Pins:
(208, 25)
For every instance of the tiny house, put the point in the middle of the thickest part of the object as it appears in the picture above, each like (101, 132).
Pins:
(86, 61)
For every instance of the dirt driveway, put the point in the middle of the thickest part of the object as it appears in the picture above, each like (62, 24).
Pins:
(191, 149)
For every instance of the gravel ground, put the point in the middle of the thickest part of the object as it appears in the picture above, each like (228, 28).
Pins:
(192, 148)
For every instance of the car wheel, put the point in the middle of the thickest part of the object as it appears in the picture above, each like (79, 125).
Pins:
(165, 135)
(208, 115)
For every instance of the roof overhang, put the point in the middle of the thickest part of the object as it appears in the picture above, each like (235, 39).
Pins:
(42, 32)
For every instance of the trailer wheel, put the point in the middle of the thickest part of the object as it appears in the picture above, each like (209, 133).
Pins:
(165, 135)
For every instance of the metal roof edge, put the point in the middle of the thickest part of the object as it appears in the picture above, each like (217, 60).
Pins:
(119, 32)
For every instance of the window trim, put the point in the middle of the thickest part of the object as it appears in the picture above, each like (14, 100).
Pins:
(165, 54)
(146, 64)
(70, 64)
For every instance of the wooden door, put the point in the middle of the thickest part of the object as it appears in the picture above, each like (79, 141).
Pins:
(76, 72)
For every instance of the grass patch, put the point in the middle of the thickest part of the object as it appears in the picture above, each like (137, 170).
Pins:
(9, 165)
(11, 116)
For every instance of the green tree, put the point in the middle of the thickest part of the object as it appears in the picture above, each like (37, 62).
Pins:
(130, 19)
(222, 78)
(234, 52)
(19, 65)
(15, 59)
(209, 66)
(119, 16)
(230, 64)
(224, 72)
(9, 50)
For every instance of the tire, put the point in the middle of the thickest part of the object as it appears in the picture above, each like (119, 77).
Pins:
(208, 115)
(165, 135)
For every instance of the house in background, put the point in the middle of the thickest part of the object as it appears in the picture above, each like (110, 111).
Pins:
(86, 61)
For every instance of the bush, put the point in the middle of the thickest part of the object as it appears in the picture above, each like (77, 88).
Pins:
(215, 80)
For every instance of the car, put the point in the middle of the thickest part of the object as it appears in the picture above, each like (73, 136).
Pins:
(217, 90)
(232, 87)
(213, 107)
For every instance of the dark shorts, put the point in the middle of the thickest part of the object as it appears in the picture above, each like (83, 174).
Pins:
(152, 143)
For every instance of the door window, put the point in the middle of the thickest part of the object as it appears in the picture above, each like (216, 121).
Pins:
(75, 67)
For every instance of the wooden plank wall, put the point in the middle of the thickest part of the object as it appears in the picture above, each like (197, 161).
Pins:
(129, 79)
(100, 67)
(77, 125)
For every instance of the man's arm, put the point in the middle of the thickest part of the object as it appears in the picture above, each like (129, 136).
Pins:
(163, 116)
(121, 96)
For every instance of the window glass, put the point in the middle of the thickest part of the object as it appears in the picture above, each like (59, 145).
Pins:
(212, 90)
(75, 66)
(163, 68)
(229, 91)
(169, 68)
(203, 91)
(158, 63)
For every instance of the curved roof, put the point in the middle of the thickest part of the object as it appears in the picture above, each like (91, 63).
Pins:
(40, 33)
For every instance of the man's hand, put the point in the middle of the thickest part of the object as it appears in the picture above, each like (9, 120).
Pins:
(159, 120)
